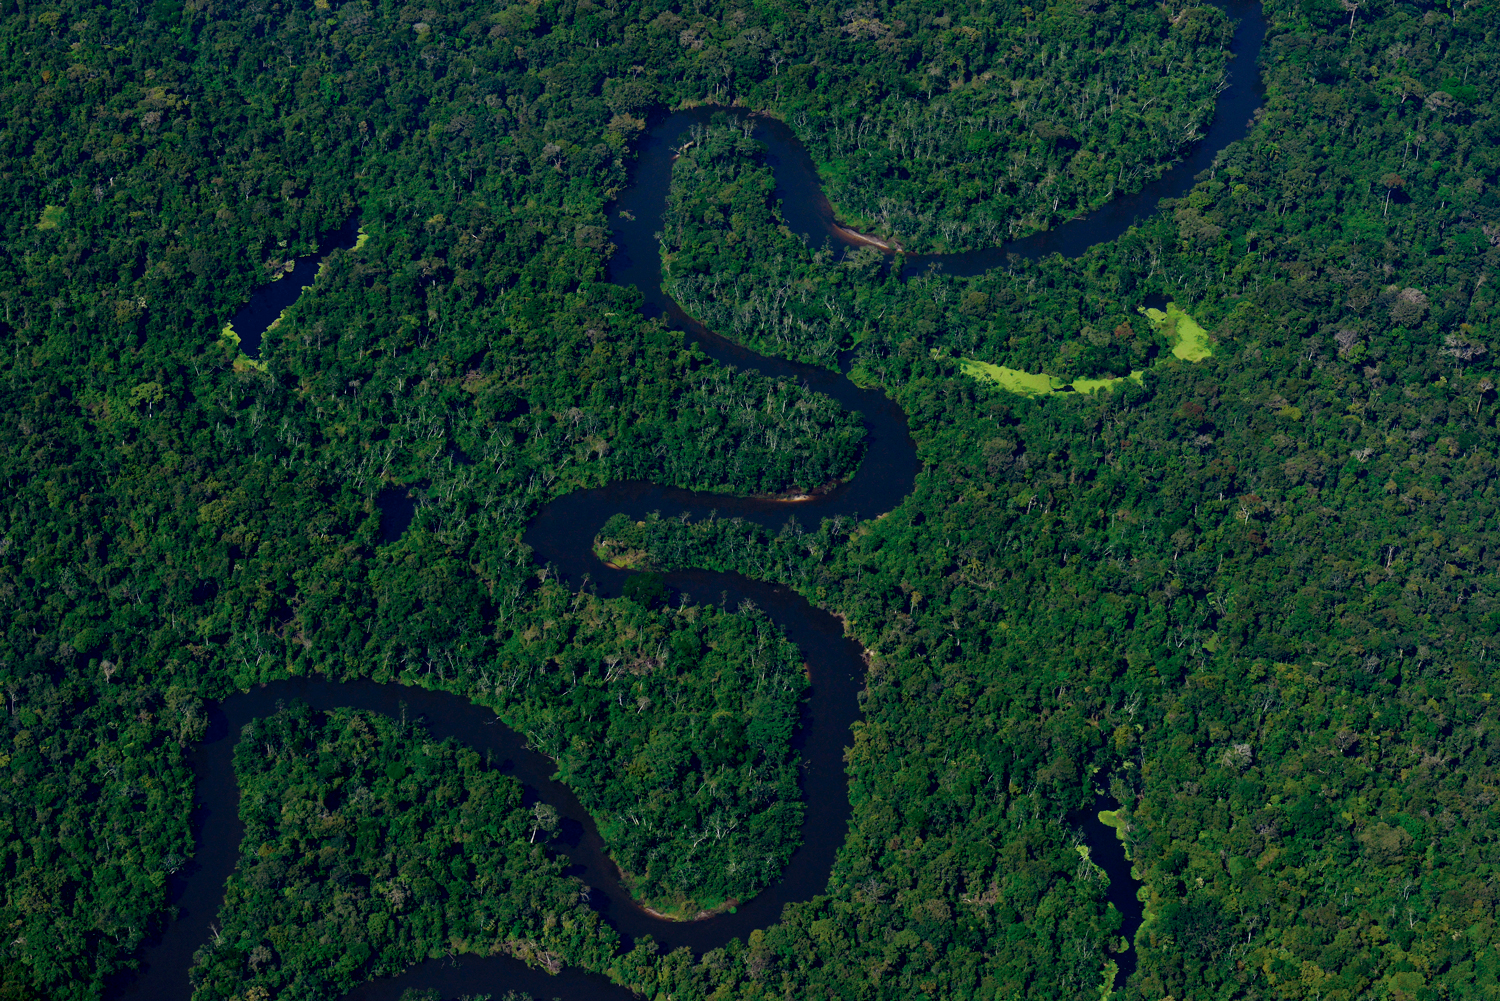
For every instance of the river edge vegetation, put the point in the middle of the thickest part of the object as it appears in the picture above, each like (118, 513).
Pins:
(729, 260)
(1301, 661)
(1306, 648)
(365, 842)
(1014, 124)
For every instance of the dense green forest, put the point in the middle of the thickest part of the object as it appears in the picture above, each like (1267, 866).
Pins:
(673, 727)
(365, 844)
(1255, 595)
(1001, 126)
(730, 261)
(949, 127)
(1285, 550)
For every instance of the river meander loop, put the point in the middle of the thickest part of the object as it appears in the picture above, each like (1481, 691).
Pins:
(562, 535)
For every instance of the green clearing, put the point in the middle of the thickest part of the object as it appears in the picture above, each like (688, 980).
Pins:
(52, 217)
(1036, 384)
(1112, 818)
(1189, 343)
(1189, 339)
(1012, 379)
(1094, 385)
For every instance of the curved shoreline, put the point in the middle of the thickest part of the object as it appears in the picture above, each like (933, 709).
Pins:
(562, 534)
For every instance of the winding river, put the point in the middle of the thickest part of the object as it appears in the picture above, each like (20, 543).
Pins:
(562, 535)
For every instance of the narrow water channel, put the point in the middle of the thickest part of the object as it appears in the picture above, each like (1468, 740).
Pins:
(562, 534)
(255, 317)
(1108, 852)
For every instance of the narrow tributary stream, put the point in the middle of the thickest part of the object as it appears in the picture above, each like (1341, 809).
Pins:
(1107, 851)
(562, 535)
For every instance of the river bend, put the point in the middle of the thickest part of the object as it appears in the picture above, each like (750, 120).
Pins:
(562, 535)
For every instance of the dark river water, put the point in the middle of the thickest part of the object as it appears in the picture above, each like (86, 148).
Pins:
(562, 535)
(256, 316)
(1107, 851)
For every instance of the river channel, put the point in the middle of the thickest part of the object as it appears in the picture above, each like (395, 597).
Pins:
(562, 535)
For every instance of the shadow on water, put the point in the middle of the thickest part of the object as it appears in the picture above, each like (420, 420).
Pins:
(397, 506)
(562, 534)
(1108, 852)
(256, 316)
(219, 832)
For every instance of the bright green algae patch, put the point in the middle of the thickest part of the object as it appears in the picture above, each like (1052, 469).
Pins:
(1189, 343)
(1012, 379)
(1112, 818)
(1035, 384)
(1189, 339)
(1094, 385)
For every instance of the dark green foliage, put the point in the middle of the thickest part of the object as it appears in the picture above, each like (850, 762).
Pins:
(729, 260)
(1268, 578)
(1197, 927)
(646, 589)
(93, 825)
(673, 727)
(1322, 13)
(1258, 593)
(178, 522)
(961, 125)
(365, 844)
(982, 126)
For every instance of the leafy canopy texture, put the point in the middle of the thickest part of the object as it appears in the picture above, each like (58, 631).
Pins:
(1252, 594)
(365, 842)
